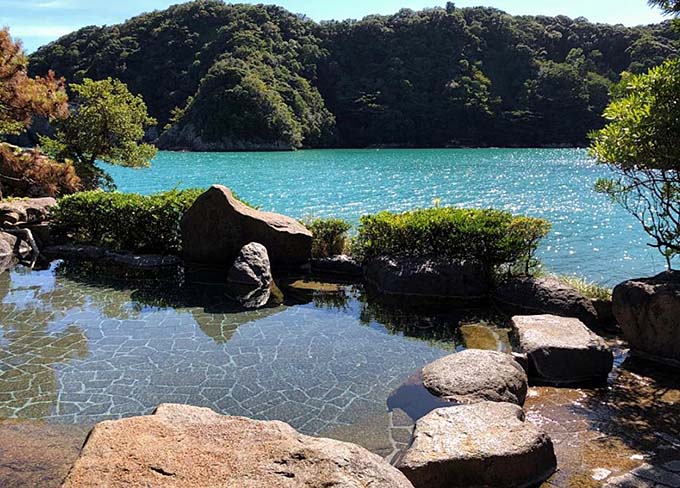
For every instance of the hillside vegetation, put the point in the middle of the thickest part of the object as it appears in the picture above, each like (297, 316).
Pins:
(232, 77)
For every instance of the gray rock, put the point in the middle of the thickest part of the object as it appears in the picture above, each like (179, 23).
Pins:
(474, 376)
(6, 254)
(648, 311)
(218, 225)
(195, 447)
(25, 211)
(483, 445)
(250, 280)
(427, 278)
(341, 266)
(12, 250)
(545, 296)
(562, 350)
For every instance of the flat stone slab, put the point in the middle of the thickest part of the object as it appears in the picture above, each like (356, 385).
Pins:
(483, 445)
(183, 446)
(474, 376)
(562, 350)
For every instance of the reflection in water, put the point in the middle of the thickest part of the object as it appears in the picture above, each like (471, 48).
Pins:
(93, 348)
(28, 382)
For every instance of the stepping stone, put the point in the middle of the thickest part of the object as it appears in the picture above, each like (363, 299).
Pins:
(476, 375)
(487, 444)
(562, 350)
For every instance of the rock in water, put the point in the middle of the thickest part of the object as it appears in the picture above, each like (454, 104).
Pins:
(485, 445)
(250, 280)
(183, 446)
(562, 350)
(474, 376)
(648, 311)
(545, 296)
(217, 226)
(428, 278)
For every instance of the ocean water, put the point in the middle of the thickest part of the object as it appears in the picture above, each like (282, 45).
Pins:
(591, 237)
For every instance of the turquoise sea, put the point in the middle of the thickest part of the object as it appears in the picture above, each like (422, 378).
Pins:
(591, 237)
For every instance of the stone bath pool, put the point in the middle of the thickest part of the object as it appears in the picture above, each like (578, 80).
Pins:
(335, 361)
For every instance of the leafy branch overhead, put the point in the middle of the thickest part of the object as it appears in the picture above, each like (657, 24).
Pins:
(640, 144)
(106, 124)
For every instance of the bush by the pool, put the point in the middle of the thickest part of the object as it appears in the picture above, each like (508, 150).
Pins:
(124, 221)
(329, 236)
(493, 237)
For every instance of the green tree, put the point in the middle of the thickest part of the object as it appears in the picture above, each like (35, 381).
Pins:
(640, 144)
(107, 124)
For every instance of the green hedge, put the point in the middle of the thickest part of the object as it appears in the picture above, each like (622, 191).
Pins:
(124, 221)
(492, 237)
(329, 236)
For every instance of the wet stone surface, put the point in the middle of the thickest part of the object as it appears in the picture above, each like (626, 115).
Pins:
(625, 434)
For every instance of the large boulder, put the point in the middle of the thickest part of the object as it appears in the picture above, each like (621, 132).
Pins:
(648, 312)
(483, 445)
(465, 280)
(250, 280)
(474, 376)
(218, 225)
(189, 447)
(562, 350)
(545, 296)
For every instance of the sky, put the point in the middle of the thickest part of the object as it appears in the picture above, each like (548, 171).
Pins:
(38, 22)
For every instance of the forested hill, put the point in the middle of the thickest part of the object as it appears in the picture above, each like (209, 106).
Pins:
(221, 76)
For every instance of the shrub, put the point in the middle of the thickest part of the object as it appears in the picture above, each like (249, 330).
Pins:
(124, 221)
(492, 237)
(329, 237)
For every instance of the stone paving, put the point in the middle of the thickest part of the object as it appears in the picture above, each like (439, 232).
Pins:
(75, 353)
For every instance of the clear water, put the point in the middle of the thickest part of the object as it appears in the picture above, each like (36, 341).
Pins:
(77, 349)
(591, 237)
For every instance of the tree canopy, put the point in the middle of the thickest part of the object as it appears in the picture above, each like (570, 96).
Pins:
(223, 76)
(106, 124)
